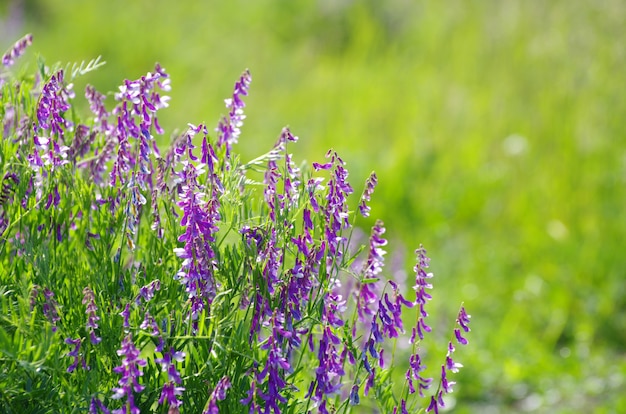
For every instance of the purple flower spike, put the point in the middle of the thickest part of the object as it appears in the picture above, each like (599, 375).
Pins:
(130, 370)
(171, 390)
(96, 405)
(218, 394)
(89, 299)
(462, 320)
(421, 296)
(368, 292)
(8, 59)
(74, 352)
(228, 129)
(370, 185)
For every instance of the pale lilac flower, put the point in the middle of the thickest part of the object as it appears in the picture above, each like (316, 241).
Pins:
(50, 308)
(229, 128)
(422, 297)
(89, 299)
(370, 185)
(8, 59)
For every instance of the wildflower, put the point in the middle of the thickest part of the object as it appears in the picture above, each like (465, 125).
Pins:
(200, 222)
(50, 308)
(275, 365)
(74, 352)
(171, 389)
(370, 185)
(462, 320)
(8, 59)
(422, 297)
(218, 394)
(354, 395)
(446, 386)
(229, 128)
(96, 405)
(130, 370)
(147, 292)
(413, 373)
(367, 295)
(96, 104)
(126, 315)
(89, 299)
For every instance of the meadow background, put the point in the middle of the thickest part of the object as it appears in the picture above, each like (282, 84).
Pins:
(496, 128)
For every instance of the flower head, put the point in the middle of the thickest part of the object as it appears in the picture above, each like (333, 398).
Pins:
(8, 59)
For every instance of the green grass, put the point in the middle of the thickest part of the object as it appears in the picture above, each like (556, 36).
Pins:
(496, 129)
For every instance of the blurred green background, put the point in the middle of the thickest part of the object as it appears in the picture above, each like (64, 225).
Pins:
(497, 129)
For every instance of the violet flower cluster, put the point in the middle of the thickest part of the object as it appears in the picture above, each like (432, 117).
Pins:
(8, 59)
(131, 371)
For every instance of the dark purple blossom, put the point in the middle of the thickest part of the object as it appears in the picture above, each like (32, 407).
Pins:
(96, 405)
(89, 299)
(130, 370)
(462, 320)
(218, 394)
(171, 389)
(354, 395)
(8, 59)
(414, 373)
(74, 353)
(370, 185)
(330, 369)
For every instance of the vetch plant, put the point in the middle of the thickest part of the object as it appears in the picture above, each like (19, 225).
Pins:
(134, 280)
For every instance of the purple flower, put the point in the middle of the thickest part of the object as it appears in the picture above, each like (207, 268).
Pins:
(228, 129)
(462, 320)
(171, 390)
(96, 405)
(50, 308)
(200, 218)
(130, 370)
(74, 352)
(8, 59)
(367, 289)
(422, 297)
(126, 315)
(218, 394)
(89, 299)
(354, 395)
(370, 185)
(147, 292)
(96, 104)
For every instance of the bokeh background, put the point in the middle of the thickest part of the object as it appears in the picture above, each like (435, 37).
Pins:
(497, 129)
